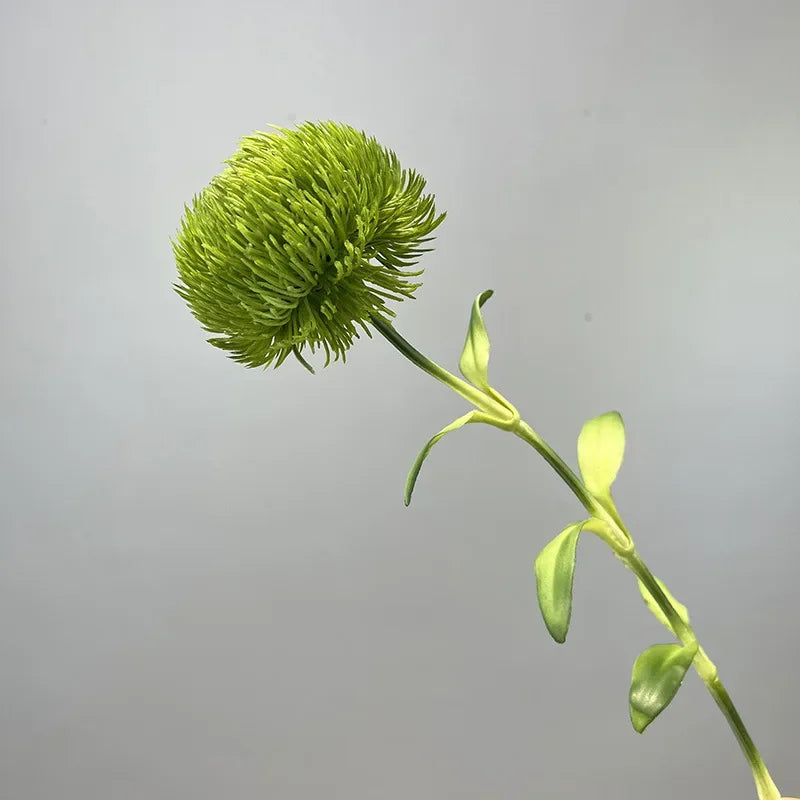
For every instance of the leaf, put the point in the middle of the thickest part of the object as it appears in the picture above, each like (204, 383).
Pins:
(299, 357)
(600, 527)
(474, 362)
(472, 416)
(657, 675)
(601, 447)
(683, 612)
(555, 568)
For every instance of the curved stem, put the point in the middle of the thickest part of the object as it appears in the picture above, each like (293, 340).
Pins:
(705, 668)
(707, 671)
(475, 396)
(619, 540)
(767, 790)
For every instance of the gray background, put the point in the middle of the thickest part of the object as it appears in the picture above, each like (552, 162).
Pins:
(209, 587)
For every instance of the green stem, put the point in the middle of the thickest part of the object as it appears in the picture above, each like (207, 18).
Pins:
(767, 790)
(705, 668)
(707, 671)
(618, 539)
(475, 396)
(527, 434)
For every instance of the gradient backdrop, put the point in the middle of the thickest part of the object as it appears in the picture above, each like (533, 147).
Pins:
(209, 586)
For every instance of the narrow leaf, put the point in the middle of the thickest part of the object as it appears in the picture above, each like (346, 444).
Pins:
(601, 447)
(472, 416)
(555, 569)
(657, 675)
(683, 612)
(300, 358)
(474, 362)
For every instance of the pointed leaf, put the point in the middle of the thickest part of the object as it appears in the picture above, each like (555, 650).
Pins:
(657, 675)
(601, 447)
(555, 568)
(474, 362)
(683, 612)
(472, 416)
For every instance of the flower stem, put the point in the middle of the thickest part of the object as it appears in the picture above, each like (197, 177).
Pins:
(618, 539)
(705, 668)
(475, 396)
(707, 671)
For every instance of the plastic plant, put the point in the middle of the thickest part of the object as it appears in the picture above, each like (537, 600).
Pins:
(300, 243)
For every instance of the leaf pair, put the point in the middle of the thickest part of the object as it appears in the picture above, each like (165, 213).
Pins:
(601, 447)
(555, 568)
(474, 366)
(657, 673)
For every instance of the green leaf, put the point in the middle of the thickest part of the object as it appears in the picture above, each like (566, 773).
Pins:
(555, 568)
(299, 357)
(601, 447)
(474, 362)
(600, 527)
(472, 416)
(657, 675)
(683, 612)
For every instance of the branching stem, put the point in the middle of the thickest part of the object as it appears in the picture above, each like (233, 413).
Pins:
(502, 415)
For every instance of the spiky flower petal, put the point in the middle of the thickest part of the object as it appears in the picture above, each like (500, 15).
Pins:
(305, 235)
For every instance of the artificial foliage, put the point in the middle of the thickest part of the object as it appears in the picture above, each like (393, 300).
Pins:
(300, 242)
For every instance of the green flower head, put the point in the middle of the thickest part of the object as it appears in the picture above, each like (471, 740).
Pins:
(300, 241)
